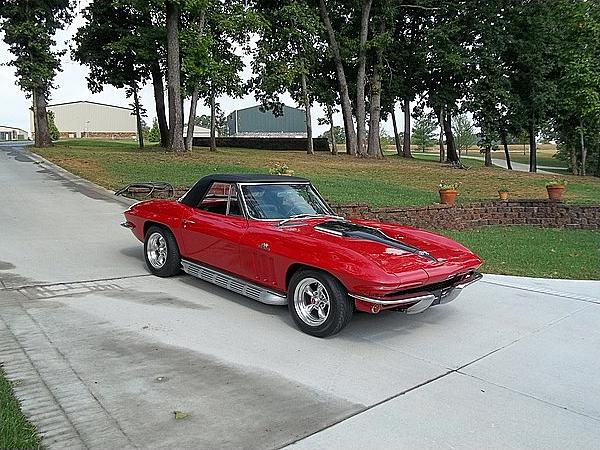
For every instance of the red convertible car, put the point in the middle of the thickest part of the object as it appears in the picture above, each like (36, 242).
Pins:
(274, 239)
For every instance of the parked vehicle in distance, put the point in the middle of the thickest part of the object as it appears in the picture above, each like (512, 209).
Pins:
(274, 239)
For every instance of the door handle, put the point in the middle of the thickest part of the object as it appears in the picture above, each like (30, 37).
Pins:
(187, 222)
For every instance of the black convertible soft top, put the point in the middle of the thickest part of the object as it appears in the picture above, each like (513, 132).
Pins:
(196, 193)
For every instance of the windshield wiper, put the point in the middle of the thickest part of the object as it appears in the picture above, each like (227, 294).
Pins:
(307, 216)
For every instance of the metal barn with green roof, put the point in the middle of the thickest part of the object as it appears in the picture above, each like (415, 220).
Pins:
(256, 122)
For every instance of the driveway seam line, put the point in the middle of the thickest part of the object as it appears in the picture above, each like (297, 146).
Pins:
(68, 363)
(374, 405)
(533, 397)
(577, 297)
(450, 371)
(64, 283)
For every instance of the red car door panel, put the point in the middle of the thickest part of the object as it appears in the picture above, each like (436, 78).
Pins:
(214, 239)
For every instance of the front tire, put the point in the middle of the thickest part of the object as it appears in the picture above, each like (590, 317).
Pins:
(161, 252)
(318, 303)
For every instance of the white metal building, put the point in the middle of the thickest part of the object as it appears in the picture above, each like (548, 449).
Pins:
(90, 119)
(12, 134)
(199, 131)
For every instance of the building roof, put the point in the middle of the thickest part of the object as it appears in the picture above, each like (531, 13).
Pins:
(262, 109)
(13, 128)
(91, 103)
(196, 193)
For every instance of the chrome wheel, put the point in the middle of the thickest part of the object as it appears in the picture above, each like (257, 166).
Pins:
(156, 250)
(311, 301)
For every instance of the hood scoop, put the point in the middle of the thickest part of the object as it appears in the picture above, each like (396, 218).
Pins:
(353, 231)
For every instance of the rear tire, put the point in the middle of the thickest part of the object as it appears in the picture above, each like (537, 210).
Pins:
(161, 252)
(318, 303)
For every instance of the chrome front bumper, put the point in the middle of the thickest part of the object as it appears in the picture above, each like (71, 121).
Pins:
(424, 299)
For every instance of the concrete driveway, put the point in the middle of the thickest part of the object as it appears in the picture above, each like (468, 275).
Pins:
(101, 354)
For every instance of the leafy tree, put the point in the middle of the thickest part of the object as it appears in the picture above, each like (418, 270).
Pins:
(463, 133)
(449, 64)
(154, 132)
(489, 95)
(405, 55)
(342, 18)
(52, 129)
(579, 80)
(531, 63)
(287, 51)
(211, 65)
(202, 121)
(338, 133)
(119, 44)
(424, 131)
(29, 28)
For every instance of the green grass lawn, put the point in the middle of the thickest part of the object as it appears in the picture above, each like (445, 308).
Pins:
(535, 252)
(15, 430)
(392, 181)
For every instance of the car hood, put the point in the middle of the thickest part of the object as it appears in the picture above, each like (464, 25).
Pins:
(402, 251)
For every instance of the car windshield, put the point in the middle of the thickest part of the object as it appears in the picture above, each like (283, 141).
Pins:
(282, 201)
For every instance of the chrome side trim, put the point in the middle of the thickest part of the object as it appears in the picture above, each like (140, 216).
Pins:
(233, 284)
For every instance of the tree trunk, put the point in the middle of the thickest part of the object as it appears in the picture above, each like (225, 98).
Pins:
(306, 101)
(42, 136)
(159, 100)
(35, 119)
(573, 161)
(396, 137)
(441, 140)
(406, 144)
(451, 155)
(176, 143)
(361, 77)
(488, 156)
(583, 148)
(532, 148)
(189, 139)
(505, 145)
(331, 130)
(213, 121)
(350, 132)
(138, 117)
(374, 146)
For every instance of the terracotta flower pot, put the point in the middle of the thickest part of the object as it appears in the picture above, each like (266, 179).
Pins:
(448, 196)
(503, 195)
(555, 192)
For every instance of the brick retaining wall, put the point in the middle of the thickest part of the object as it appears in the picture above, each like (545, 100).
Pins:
(544, 213)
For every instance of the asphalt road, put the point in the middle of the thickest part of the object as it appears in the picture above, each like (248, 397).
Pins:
(101, 354)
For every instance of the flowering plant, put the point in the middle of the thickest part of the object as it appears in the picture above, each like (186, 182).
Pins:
(556, 182)
(445, 186)
(280, 168)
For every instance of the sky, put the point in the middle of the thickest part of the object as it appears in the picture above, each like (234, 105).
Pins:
(71, 85)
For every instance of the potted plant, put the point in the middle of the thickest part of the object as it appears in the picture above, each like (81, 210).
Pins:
(280, 168)
(503, 193)
(448, 192)
(555, 189)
